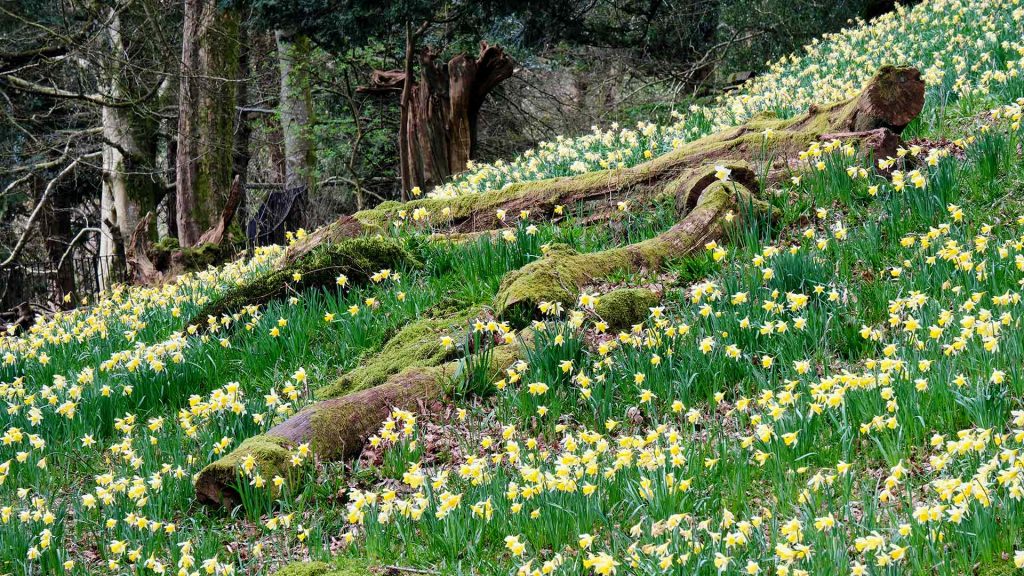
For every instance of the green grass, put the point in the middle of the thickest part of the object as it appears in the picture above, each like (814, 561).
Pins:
(717, 430)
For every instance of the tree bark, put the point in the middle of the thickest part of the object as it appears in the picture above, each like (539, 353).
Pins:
(206, 116)
(56, 231)
(129, 183)
(438, 129)
(295, 108)
(404, 104)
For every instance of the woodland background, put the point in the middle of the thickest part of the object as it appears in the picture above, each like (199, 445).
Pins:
(189, 130)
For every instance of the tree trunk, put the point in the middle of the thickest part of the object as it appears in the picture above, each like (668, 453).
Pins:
(241, 155)
(404, 169)
(295, 108)
(129, 180)
(206, 116)
(56, 231)
(437, 136)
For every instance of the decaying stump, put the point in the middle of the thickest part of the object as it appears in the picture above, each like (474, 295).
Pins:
(140, 267)
(149, 264)
(438, 135)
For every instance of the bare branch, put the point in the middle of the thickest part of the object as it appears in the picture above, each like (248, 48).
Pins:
(96, 98)
(39, 207)
(81, 233)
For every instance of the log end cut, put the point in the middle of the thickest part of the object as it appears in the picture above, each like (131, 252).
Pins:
(891, 99)
(215, 484)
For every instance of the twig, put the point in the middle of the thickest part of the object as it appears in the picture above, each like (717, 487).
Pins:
(60, 263)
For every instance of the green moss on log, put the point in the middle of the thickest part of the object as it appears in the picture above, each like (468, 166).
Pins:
(558, 276)
(417, 344)
(340, 426)
(357, 258)
(625, 307)
(338, 567)
(191, 258)
(215, 481)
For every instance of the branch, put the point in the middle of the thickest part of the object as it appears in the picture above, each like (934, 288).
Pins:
(39, 207)
(96, 98)
(82, 232)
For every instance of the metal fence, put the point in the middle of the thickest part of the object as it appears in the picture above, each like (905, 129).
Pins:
(82, 277)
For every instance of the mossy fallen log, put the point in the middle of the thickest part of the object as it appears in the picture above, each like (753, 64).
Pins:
(562, 272)
(625, 307)
(356, 258)
(417, 344)
(874, 117)
(352, 409)
(339, 566)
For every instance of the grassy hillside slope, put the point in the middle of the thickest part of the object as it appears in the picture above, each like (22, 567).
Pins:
(835, 387)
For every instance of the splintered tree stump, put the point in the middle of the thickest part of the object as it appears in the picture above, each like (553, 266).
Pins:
(439, 131)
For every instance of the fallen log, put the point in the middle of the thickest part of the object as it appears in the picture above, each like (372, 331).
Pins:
(888, 102)
(562, 272)
(335, 428)
(416, 345)
(873, 118)
(356, 258)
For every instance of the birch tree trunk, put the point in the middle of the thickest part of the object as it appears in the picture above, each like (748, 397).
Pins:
(129, 181)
